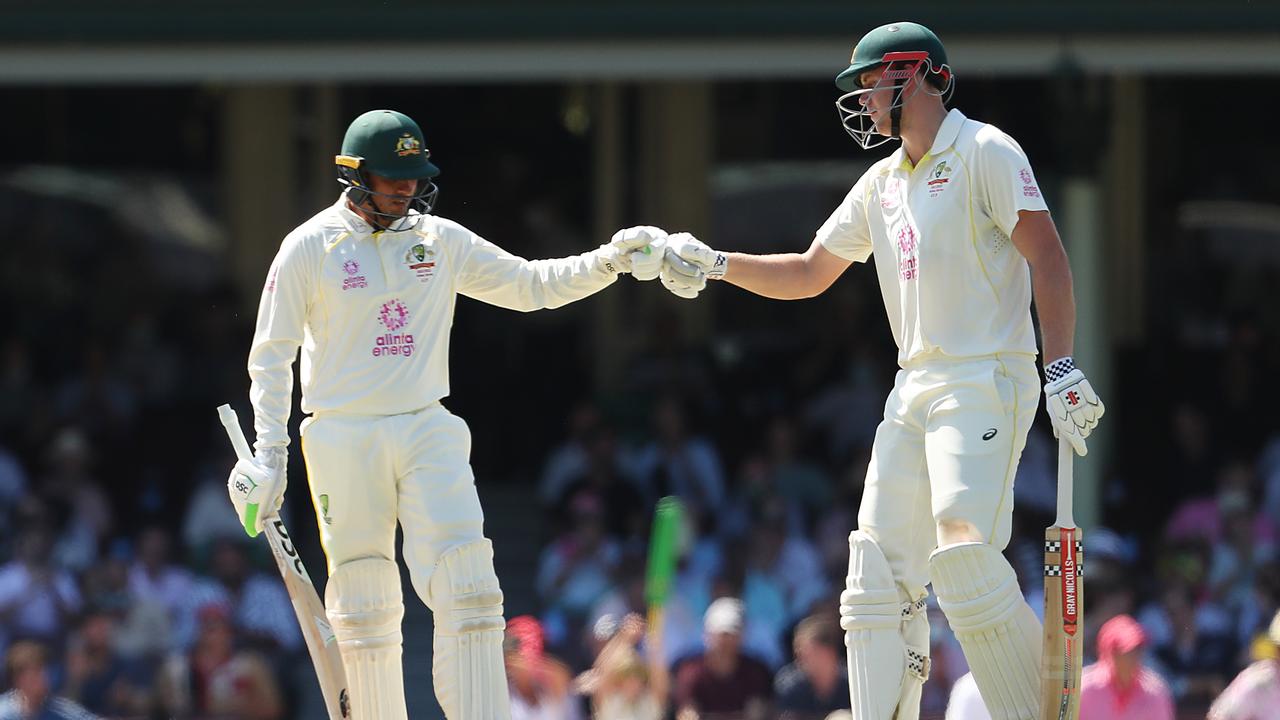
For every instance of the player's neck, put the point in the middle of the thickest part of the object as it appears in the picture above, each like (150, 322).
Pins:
(918, 135)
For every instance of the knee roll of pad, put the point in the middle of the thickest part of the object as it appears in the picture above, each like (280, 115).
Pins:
(464, 591)
(364, 603)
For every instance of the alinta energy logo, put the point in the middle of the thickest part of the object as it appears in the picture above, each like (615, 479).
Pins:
(393, 316)
(354, 279)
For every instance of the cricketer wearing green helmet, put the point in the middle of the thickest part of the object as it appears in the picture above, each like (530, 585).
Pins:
(384, 148)
(906, 50)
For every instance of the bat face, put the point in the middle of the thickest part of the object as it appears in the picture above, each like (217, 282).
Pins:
(1063, 608)
(313, 621)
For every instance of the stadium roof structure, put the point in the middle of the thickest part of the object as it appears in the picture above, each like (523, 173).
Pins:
(503, 40)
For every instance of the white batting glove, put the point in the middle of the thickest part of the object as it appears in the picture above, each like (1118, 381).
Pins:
(692, 250)
(682, 278)
(1074, 408)
(631, 251)
(257, 488)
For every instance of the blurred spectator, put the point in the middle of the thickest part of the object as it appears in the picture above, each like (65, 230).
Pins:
(96, 396)
(803, 485)
(576, 569)
(37, 600)
(540, 683)
(966, 702)
(71, 490)
(98, 677)
(847, 412)
(723, 682)
(679, 463)
(817, 683)
(1191, 646)
(569, 461)
(154, 577)
(1119, 686)
(13, 486)
(1244, 546)
(215, 679)
(622, 684)
(30, 696)
(1255, 693)
(625, 512)
(209, 516)
(257, 602)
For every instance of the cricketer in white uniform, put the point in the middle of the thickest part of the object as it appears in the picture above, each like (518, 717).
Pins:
(960, 236)
(366, 289)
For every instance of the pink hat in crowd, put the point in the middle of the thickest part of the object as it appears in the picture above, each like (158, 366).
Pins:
(1118, 635)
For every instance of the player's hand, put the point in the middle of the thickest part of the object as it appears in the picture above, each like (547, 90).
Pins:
(636, 250)
(692, 250)
(684, 278)
(1074, 408)
(257, 488)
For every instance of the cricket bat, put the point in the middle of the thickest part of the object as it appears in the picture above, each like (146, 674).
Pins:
(1063, 604)
(664, 542)
(319, 637)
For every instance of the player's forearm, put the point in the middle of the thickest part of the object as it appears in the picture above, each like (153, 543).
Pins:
(785, 276)
(271, 390)
(1055, 304)
(514, 283)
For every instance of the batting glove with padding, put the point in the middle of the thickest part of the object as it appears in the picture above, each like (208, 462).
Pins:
(631, 250)
(1074, 408)
(257, 488)
(691, 249)
(683, 278)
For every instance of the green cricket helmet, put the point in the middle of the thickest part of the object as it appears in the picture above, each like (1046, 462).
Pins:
(904, 49)
(388, 144)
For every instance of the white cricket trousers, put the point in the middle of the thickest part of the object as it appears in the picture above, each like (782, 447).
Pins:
(369, 472)
(947, 449)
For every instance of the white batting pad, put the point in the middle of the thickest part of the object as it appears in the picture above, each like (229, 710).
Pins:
(470, 679)
(365, 606)
(885, 673)
(998, 631)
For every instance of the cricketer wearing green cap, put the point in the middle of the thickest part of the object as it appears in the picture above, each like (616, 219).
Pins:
(366, 289)
(960, 235)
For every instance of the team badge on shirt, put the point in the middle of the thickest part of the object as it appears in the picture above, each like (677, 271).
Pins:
(939, 178)
(422, 261)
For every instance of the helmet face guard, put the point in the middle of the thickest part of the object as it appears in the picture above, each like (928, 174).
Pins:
(854, 107)
(353, 177)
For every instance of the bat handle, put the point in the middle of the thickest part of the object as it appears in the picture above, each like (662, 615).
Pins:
(1066, 459)
(654, 629)
(232, 424)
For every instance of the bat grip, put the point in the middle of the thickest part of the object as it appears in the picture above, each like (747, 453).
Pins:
(1066, 458)
(232, 425)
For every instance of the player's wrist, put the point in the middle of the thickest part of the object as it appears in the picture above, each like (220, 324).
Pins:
(719, 266)
(1058, 369)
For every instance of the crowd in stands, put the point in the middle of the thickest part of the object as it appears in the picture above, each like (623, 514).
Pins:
(128, 589)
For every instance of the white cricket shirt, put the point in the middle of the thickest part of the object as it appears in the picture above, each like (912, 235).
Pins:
(953, 283)
(372, 311)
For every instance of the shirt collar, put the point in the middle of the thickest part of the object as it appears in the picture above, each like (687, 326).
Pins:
(350, 218)
(948, 131)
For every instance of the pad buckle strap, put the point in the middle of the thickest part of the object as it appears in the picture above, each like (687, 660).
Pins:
(918, 664)
(911, 609)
